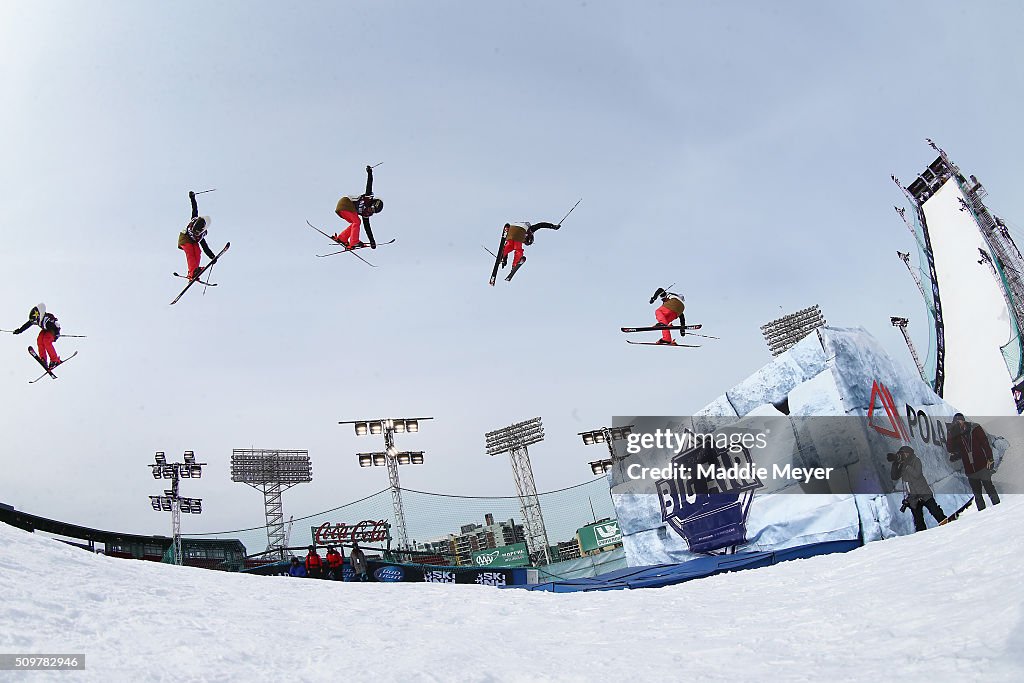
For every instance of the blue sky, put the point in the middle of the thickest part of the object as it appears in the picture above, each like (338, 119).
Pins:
(742, 151)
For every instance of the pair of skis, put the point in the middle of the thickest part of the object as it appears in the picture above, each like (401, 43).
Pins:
(659, 328)
(207, 283)
(373, 245)
(48, 369)
(498, 260)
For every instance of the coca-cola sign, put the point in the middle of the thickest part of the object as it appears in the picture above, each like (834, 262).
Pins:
(367, 531)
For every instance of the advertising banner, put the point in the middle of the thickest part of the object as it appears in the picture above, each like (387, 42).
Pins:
(515, 555)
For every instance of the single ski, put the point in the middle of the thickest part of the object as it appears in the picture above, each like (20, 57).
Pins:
(202, 282)
(958, 512)
(192, 282)
(497, 257)
(336, 242)
(49, 371)
(659, 328)
(515, 269)
(691, 346)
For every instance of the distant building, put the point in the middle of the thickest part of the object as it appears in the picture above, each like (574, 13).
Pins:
(458, 548)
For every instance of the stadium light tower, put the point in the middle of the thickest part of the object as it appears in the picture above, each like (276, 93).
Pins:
(608, 436)
(513, 440)
(171, 501)
(272, 471)
(902, 323)
(391, 458)
(783, 333)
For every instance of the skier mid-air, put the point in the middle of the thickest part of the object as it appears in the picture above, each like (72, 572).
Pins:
(49, 332)
(192, 238)
(513, 237)
(357, 210)
(672, 307)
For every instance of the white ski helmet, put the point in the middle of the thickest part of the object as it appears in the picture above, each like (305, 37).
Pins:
(39, 311)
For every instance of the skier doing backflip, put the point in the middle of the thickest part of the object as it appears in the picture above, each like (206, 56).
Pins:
(352, 209)
(193, 237)
(49, 332)
(672, 307)
(517, 235)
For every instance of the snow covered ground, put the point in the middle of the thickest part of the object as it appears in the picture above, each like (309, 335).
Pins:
(937, 606)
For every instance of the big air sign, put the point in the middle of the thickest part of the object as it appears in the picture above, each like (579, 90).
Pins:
(599, 535)
(514, 555)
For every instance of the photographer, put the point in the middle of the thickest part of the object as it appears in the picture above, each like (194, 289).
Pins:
(968, 442)
(907, 466)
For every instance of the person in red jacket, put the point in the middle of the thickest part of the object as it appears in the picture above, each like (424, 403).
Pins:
(335, 560)
(314, 565)
(968, 442)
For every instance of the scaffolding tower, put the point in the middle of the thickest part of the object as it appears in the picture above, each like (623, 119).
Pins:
(272, 471)
(783, 333)
(514, 440)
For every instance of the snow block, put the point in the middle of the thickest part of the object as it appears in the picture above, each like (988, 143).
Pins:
(838, 377)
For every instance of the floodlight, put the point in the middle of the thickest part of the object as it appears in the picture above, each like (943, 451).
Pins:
(417, 458)
(392, 451)
(156, 471)
(168, 471)
(600, 466)
(160, 458)
(365, 460)
(399, 426)
(362, 428)
(197, 471)
(165, 504)
(155, 502)
(185, 472)
(190, 457)
(197, 506)
(403, 459)
(588, 438)
(412, 425)
(380, 459)
(376, 428)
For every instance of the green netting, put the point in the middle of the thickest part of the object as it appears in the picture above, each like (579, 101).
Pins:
(931, 358)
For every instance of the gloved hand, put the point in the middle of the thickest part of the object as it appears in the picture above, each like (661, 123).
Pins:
(369, 169)
(191, 194)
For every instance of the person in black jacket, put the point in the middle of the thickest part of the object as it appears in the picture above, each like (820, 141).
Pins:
(193, 237)
(49, 332)
(354, 209)
(907, 466)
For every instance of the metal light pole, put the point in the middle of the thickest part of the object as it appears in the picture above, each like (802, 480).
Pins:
(513, 440)
(272, 472)
(608, 436)
(391, 458)
(901, 323)
(170, 501)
